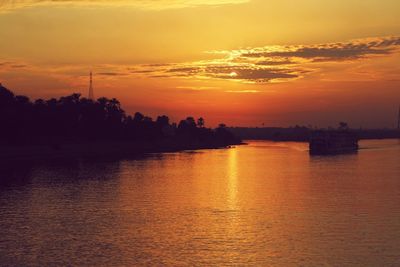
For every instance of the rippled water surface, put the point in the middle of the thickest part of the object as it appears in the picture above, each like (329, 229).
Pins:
(264, 204)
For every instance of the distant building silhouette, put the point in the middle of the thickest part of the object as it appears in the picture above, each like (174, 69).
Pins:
(91, 93)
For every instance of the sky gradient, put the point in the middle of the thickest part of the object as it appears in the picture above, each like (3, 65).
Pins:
(242, 62)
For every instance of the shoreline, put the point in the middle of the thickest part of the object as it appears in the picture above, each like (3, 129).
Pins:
(112, 149)
(97, 150)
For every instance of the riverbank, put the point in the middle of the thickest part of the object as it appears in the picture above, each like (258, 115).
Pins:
(98, 149)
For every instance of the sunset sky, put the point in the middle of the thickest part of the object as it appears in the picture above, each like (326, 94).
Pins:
(241, 62)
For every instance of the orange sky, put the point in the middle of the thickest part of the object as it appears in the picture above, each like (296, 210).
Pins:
(242, 62)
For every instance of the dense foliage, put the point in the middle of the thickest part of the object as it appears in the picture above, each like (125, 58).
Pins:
(73, 119)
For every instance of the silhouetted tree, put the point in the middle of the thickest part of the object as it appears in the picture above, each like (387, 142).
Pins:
(76, 119)
(200, 122)
(191, 122)
(138, 117)
(162, 121)
(221, 126)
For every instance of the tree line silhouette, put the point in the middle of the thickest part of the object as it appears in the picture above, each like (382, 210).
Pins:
(75, 119)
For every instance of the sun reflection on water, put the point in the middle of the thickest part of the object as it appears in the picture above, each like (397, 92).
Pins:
(232, 179)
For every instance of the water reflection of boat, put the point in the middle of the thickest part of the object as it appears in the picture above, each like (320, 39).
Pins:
(324, 142)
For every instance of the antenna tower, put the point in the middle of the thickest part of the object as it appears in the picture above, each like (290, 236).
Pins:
(91, 93)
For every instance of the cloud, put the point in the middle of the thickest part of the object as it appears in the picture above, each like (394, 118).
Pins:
(197, 88)
(250, 73)
(276, 63)
(225, 70)
(9, 65)
(268, 64)
(18, 66)
(140, 71)
(186, 70)
(111, 74)
(9, 5)
(3, 64)
(328, 52)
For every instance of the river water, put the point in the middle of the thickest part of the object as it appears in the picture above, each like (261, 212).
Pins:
(264, 204)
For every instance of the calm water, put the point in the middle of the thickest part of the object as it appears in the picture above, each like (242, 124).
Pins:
(265, 204)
